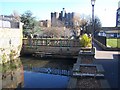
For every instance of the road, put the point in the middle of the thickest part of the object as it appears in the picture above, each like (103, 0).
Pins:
(109, 60)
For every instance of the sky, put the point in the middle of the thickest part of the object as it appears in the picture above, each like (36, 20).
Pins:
(41, 9)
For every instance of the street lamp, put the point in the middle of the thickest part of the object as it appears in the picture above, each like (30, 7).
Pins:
(92, 3)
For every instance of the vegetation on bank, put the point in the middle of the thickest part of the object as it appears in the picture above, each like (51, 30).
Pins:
(85, 41)
(10, 66)
(113, 42)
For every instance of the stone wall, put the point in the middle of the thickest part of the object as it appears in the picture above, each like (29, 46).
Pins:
(10, 43)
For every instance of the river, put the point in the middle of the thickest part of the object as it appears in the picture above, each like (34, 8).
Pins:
(30, 72)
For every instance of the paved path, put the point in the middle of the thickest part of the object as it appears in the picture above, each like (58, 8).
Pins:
(109, 55)
(110, 62)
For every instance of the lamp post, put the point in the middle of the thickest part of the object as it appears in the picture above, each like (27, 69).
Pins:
(92, 3)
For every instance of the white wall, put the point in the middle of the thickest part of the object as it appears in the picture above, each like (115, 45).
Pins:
(119, 4)
(10, 39)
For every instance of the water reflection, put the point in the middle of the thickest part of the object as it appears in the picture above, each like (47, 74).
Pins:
(12, 74)
(65, 64)
(15, 75)
(41, 80)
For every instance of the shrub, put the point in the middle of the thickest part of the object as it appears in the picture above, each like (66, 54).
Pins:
(85, 41)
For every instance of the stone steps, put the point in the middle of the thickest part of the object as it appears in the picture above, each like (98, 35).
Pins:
(99, 75)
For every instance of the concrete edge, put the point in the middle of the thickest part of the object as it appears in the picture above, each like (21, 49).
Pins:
(72, 83)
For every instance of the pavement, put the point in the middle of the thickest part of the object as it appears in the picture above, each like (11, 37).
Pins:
(102, 54)
(111, 64)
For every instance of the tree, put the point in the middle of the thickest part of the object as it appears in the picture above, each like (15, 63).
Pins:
(80, 24)
(97, 25)
(58, 28)
(28, 20)
(76, 21)
(16, 16)
(57, 23)
(83, 22)
(54, 32)
(89, 25)
(76, 26)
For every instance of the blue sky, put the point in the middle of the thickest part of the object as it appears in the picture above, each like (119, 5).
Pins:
(104, 9)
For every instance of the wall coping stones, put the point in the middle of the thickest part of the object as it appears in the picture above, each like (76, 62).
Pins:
(76, 74)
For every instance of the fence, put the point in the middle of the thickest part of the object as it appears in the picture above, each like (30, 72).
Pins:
(51, 42)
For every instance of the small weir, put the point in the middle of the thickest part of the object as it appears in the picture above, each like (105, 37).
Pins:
(49, 70)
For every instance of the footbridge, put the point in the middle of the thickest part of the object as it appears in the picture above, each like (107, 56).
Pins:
(51, 47)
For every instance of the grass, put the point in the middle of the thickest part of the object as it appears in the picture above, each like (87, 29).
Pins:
(115, 43)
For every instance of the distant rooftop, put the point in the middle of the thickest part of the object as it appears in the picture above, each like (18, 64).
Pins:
(8, 21)
(8, 18)
(110, 28)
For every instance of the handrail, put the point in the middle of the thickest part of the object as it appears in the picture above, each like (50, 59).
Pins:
(56, 42)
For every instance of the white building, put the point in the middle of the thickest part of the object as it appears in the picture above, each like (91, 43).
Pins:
(118, 16)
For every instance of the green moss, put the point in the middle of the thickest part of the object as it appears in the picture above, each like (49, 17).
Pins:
(4, 58)
(10, 66)
(12, 54)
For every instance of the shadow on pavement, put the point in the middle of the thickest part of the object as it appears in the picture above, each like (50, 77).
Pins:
(111, 67)
(116, 56)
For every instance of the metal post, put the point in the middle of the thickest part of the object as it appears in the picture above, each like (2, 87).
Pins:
(92, 25)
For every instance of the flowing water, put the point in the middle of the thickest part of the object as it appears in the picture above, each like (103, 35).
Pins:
(16, 75)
